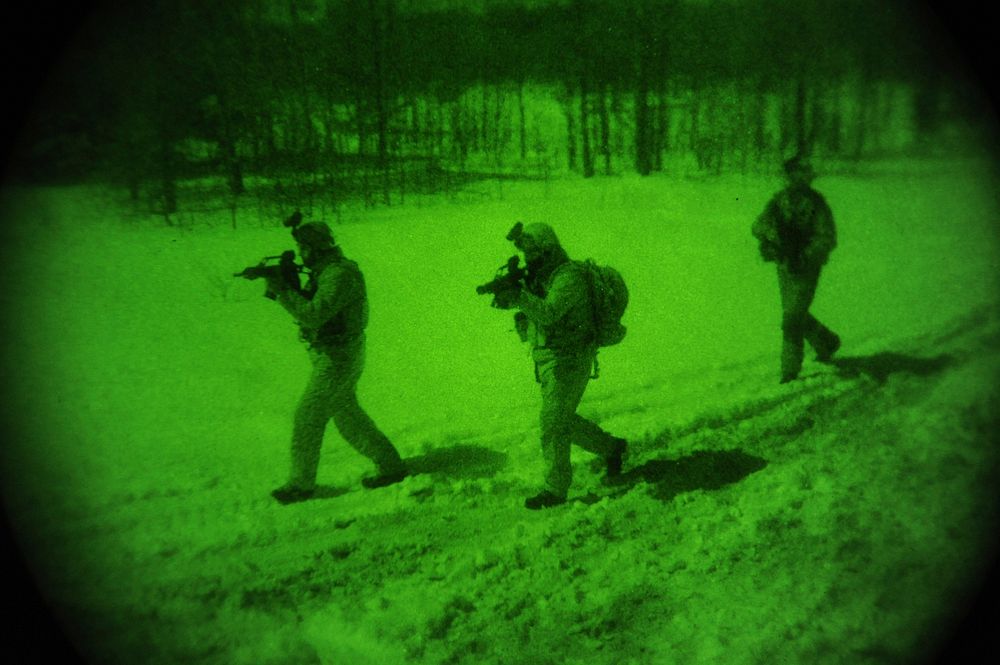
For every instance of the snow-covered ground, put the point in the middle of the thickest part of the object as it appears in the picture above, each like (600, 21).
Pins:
(836, 519)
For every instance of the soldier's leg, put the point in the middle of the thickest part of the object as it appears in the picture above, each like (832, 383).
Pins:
(363, 435)
(592, 438)
(311, 417)
(796, 296)
(353, 422)
(563, 383)
(823, 340)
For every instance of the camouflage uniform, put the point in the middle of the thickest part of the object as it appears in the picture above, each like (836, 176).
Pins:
(332, 313)
(556, 306)
(797, 232)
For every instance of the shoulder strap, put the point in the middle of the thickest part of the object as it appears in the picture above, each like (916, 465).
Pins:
(589, 277)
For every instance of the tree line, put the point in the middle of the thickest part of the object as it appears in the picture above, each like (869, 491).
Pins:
(374, 98)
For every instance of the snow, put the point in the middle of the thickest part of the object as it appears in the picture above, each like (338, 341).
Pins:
(835, 519)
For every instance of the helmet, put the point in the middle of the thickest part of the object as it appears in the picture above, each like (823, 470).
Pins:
(799, 165)
(542, 236)
(314, 234)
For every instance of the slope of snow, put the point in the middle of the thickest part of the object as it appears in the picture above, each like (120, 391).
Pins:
(829, 520)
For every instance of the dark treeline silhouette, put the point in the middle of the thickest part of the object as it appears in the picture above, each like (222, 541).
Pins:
(376, 98)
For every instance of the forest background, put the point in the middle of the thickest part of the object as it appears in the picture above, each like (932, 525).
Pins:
(200, 106)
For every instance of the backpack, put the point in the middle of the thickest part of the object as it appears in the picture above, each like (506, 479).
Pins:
(608, 297)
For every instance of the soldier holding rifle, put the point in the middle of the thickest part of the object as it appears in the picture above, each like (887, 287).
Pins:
(331, 311)
(556, 317)
(796, 232)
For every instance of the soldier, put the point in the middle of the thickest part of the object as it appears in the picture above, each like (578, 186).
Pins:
(332, 312)
(556, 318)
(796, 231)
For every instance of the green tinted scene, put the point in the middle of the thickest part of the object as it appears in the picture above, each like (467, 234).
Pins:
(800, 197)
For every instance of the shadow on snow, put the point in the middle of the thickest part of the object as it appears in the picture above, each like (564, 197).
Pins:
(329, 492)
(701, 470)
(458, 462)
(879, 366)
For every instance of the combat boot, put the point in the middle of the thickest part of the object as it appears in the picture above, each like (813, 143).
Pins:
(826, 353)
(287, 494)
(544, 499)
(613, 468)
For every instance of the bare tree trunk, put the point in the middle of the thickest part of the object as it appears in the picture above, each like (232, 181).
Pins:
(617, 137)
(743, 137)
(643, 157)
(836, 144)
(570, 134)
(498, 140)
(168, 176)
(270, 145)
(643, 130)
(460, 136)
(437, 140)
(602, 112)
(659, 127)
(861, 119)
(801, 132)
(818, 119)
(759, 121)
(786, 120)
(379, 97)
(887, 107)
(361, 120)
(234, 168)
(694, 119)
(484, 115)
(522, 124)
(588, 158)
(415, 134)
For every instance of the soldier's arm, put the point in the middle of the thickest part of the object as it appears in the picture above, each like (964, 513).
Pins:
(332, 293)
(567, 289)
(765, 227)
(824, 236)
(765, 230)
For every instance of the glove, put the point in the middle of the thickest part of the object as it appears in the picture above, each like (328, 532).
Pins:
(507, 297)
(521, 325)
(814, 258)
(768, 251)
(275, 285)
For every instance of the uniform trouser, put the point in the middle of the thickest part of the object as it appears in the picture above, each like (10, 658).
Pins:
(797, 324)
(331, 395)
(563, 382)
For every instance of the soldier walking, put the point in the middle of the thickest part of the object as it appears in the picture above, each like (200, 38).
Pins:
(331, 311)
(796, 232)
(556, 318)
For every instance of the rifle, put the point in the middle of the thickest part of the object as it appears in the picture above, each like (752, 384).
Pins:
(286, 269)
(509, 277)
